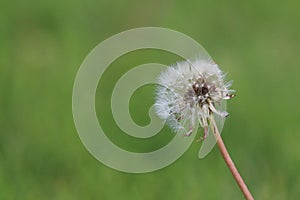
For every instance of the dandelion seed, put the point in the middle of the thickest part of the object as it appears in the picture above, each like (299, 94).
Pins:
(189, 92)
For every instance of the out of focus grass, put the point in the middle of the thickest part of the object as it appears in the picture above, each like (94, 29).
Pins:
(42, 44)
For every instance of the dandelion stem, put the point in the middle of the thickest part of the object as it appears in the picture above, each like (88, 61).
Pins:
(230, 163)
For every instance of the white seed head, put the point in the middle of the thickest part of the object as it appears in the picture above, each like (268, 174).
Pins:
(188, 92)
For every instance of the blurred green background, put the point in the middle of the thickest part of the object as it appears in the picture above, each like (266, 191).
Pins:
(42, 44)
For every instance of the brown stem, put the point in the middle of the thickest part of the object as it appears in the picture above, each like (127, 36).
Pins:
(230, 163)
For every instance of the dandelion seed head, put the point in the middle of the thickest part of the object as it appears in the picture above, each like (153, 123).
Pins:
(188, 92)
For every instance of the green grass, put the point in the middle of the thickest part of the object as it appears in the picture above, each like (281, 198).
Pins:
(42, 45)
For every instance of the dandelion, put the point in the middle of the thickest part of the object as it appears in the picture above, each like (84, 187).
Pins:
(192, 93)
(189, 93)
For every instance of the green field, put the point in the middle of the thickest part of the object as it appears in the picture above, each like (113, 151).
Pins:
(42, 45)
